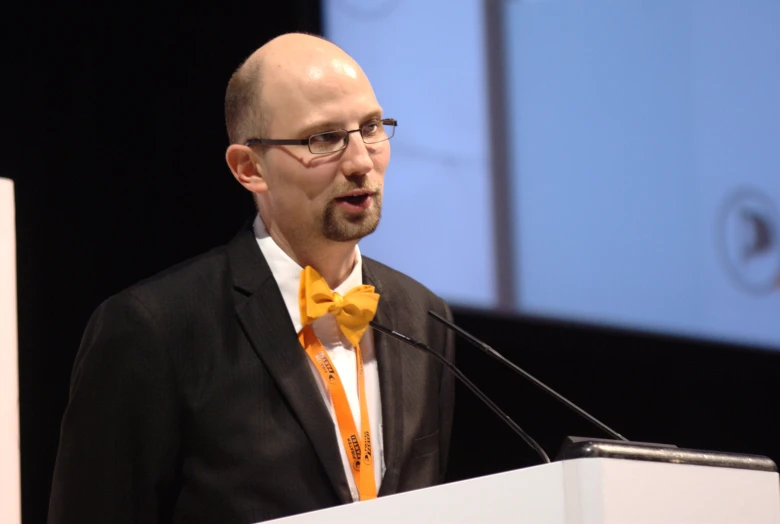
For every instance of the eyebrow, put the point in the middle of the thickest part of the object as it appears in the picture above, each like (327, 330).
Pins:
(330, 125)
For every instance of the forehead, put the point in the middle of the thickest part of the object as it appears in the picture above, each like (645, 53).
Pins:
(324, 91)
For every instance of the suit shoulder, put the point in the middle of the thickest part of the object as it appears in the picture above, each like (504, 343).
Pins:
(189, 274)
(197, 280)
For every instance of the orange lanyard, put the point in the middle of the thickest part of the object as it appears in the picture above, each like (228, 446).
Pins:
(359, 453)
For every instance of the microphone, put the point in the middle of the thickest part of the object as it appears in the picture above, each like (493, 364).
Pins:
(469, 384)
(495, 354)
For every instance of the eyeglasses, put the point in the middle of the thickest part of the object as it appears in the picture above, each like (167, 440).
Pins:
(372, 132)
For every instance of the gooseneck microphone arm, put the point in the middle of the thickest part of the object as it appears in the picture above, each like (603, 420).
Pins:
(495, 354)
(474, 389)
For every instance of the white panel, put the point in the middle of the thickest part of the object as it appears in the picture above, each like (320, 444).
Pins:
(10, 485)
(602, 491)
(580, 491)
(527, 496)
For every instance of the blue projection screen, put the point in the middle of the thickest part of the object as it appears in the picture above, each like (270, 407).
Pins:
(642, 145)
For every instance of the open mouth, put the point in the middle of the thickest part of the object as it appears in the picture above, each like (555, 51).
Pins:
(355, 200)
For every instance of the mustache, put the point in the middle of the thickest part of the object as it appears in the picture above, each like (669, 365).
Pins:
(346, 188)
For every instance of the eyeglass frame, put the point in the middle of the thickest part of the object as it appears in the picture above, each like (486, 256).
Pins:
(307, 141)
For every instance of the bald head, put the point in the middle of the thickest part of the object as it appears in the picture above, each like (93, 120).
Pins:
(274, 75)
(315, 205)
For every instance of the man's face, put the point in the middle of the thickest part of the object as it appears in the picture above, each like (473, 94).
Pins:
(335, 196)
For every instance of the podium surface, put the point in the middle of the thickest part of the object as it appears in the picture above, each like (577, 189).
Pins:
(580, 491)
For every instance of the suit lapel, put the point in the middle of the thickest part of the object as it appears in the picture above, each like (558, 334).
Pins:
(388, 354)
(266, 323)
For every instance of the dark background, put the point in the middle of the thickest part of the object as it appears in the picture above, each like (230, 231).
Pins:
(112, 129)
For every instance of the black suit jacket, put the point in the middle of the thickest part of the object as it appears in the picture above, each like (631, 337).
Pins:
(192, 401)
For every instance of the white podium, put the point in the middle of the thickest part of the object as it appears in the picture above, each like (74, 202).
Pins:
(580, 491)
(10, 481)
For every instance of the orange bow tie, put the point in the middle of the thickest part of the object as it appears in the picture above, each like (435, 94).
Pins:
(353, 311)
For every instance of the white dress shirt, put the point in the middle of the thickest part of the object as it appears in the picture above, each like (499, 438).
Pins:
(287, 274)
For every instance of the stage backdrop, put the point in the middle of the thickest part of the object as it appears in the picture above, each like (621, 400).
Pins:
(609, 163)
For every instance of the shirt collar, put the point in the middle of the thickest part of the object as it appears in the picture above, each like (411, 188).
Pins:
(287, 272)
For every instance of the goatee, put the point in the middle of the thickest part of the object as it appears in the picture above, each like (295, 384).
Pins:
(341, 228)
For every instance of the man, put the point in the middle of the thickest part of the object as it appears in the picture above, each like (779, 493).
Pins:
(238, 387)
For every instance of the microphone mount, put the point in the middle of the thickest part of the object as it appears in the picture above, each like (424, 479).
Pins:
(468, 383)
(511, 365)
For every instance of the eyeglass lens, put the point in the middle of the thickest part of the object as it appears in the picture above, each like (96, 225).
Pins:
(331, 141)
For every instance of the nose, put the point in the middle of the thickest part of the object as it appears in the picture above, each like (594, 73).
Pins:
(356, 159)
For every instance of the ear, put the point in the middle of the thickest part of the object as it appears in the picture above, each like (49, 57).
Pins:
(246, 167)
